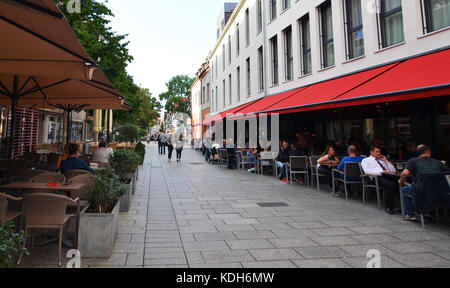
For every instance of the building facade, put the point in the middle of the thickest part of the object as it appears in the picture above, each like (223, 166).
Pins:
(271, 48)
(196, 108)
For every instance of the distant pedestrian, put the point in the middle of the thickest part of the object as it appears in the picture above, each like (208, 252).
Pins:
(158, 140)
(169, 143)
(163, 143)
(179, 147)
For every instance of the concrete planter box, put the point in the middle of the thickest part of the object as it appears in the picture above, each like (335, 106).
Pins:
(97, 233)
(126, 199)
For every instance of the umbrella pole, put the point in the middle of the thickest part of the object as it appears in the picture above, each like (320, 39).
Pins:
(69, 125)
(108, 123)
(12, 133)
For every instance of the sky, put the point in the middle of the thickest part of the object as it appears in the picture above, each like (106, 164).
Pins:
(166, 37)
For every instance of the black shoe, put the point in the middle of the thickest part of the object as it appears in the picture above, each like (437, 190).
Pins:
(389, 211)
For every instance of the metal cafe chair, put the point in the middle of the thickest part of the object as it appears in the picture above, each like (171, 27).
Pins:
(366, 182)
(267, 160)
(314, 166)
(223, 157)
(299, 165)
(352, 170)
(243, 161)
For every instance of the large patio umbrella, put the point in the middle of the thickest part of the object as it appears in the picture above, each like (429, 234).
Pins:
(40, 55)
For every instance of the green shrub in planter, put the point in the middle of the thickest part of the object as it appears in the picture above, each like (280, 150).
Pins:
(124, 162)
(10, 245)
(140, 150)
(105, 191)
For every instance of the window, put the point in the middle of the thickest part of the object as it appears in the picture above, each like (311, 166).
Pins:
(249, 83)
(326, 22)
(437, 15)
(354, 27)
(223, 59)
(288, 58)
(230, 89)
(238, 41)
(238, 82)
(208, 93)
(260, 16)
(305, 45)
(274, 57)
(247, 27)
(273, 9)
(217, 63)
(229, 50)
(224, 93)
(217, 98)
(391, 23)
(212, 102)
(203, 96)
(261, 68)
(286, 4)
(212, 70)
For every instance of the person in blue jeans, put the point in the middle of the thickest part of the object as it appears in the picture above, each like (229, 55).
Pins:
(423, 164)
(282, 159)
(352, 158)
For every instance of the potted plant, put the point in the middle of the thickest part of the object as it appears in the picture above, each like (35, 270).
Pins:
(100, 219)
(124, 164)
(11, 244)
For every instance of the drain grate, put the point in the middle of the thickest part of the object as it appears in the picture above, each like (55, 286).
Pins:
(272, 205)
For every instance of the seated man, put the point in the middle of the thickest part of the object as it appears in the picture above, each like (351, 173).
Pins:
(423, 164)
(294, 152)
(282, 159)
(101, 154)
(376, 165)
(352, 158)
(73, 163)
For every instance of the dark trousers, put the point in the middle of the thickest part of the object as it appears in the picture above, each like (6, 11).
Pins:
(179, 151)
(391, 188)
(170, 147)
(325, 170)
(159, 147)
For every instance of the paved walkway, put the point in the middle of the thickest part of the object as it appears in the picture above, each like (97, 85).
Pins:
(191, 214)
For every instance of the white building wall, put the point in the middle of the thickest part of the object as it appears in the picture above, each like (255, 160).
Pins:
(415, 43)
(196, 107)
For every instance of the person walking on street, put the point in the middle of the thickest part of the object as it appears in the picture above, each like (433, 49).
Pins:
(163, 143)
(158, 140)
(179, 147)
(169, 142)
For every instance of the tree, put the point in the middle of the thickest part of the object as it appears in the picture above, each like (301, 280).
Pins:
(110, 51)
(178, 94)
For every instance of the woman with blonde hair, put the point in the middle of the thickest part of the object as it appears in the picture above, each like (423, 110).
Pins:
(63, 156)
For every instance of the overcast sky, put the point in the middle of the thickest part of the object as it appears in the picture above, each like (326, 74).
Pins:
(166, 37)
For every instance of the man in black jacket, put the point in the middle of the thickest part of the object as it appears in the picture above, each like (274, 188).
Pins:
(282, 159)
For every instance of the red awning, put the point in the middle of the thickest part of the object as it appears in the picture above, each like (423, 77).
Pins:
(220, 116)
(421, 77)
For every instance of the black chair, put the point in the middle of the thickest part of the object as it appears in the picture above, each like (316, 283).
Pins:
(299, 165)
(367, 182)
(223, 157)
(352, 170)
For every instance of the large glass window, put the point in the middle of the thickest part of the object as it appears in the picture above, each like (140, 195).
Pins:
(274, 56)
(261, 68)
(437, 14)
(260, 16)
(273, 9)
(238, 78)
(327, 35)
(247, 27)
(249, 83)
(305, 45)
(288, 56)
(391, 22)
(286, 4)
(238, 44)
(230, 90)
(223, 93)
(355, 35)
(229, 50)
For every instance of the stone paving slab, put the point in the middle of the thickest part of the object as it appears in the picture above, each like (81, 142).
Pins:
(200, 216)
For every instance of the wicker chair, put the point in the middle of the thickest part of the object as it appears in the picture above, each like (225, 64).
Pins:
(49, 177)
(47, 211)
(72, 173)
(82, 193)
(7, 215)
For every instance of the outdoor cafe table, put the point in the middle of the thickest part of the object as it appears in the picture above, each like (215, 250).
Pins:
(44, 186)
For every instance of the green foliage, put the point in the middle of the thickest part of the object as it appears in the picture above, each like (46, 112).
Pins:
(110, 51)
(10, 245)
(105, 192)
(178, 95)
(140, 149)
(124, 162)
(130, 133)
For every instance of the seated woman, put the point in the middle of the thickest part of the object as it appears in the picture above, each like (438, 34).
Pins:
(72, 162)
(327, 162)
(101, 154)
(63, 156)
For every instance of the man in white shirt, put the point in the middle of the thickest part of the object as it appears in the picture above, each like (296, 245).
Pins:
(377, 165)
(101, 154)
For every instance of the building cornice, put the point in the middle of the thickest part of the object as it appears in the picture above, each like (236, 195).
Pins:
(227, 27)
